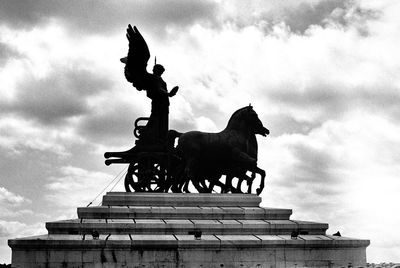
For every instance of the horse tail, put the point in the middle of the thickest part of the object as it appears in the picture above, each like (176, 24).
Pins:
(173, 134)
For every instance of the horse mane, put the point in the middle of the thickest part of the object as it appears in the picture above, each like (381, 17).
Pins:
(234, 115)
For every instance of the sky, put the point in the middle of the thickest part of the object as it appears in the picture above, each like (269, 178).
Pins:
(322, 76)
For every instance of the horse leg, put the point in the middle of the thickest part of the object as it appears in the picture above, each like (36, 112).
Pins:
(203, 184)
(198, 187)
(178, 178)
(239, 185)
(228, 184)
(185, 186)
(217, 182)
(193, 174)
(262, 173)
(176, 185)
(186, 181)
(211, 185)
(244, 177)
(196, 183)
(180, 184)
(250, 182)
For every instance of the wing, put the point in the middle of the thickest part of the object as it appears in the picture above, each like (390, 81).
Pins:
(138, 56)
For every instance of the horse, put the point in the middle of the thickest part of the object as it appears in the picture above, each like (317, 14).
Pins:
(231, 152)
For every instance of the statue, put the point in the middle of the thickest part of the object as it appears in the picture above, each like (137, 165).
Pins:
(156, 164)
(155, 132)
(231, 152)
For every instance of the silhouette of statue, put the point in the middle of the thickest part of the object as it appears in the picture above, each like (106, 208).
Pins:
(199, 158)
(156, 130)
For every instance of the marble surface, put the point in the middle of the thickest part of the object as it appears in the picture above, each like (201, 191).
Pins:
(151, 234)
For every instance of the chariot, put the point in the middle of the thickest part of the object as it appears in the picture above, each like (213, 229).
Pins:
(150, 167)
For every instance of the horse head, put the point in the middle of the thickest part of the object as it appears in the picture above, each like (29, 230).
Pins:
(247, 119)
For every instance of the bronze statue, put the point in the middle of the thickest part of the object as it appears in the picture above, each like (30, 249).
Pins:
(155, 132)
(156, 164)
(231, 152)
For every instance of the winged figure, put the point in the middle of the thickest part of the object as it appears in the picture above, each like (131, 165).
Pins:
(155, 132)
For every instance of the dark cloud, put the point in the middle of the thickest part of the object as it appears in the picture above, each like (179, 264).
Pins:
(353, 15)
(314, 165)
(105, 16)
(112, 125)
(344, 13)
(311, 180)
(61, 95)
(304, 15)
(300, 17)
(7, 52)
(317, 98)
(25, 172)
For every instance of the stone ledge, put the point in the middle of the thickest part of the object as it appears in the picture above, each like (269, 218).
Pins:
(190, 257)
(173, 226)
(179, 241)
(190, 212)
(180, 199)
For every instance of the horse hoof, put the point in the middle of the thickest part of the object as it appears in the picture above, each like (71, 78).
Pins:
(259, 191)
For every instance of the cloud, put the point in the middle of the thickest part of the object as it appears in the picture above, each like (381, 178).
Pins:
(322, 75)
(104, 17)
(11, 199)
(18, 135)
(76, 187)
(162, 17)
(59, 96)
(11, 203)
(329, 101)
(112, 117)
(300, 16)
(306, 14)
(341, 13)
(343, 172)
(7, 52)
(18, 229)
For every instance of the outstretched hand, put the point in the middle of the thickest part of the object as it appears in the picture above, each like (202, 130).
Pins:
(173, 91)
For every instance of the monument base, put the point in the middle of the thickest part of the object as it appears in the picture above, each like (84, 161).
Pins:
(186, 230)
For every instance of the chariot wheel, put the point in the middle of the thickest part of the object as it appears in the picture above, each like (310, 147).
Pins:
(147, 172)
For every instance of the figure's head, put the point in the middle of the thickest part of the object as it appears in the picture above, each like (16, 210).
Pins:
(158, 69)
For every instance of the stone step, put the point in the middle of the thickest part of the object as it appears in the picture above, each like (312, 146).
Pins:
(185, 230)
(130, 242)
(180, 199)
(184, 227)
(138, 250)
(194, 213)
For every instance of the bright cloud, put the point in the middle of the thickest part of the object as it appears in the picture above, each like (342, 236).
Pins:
(344, 171)
(9, 198)
(77, 187)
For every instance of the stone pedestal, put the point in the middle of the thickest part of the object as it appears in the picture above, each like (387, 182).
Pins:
(185, 230)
